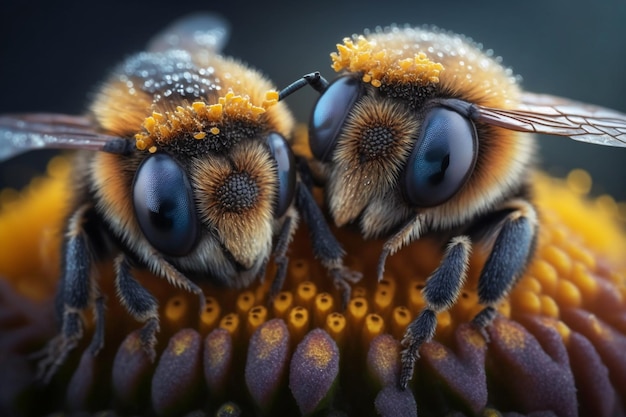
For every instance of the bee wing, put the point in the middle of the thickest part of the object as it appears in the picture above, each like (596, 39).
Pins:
(198, 32)
(24, 132)
(551, 115)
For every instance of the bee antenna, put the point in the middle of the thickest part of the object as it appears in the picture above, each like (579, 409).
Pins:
(313, 79)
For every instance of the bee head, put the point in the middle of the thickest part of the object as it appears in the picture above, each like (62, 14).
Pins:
(389, 145)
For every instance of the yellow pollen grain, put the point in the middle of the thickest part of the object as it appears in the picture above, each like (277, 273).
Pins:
(200, 135)
(356, 312)
(579, 181)
(230, 323)
(383, 298)
(512, 337)
(320, 355)
(215, 349)
(437, 352)
(152, 149)
(245, 301)
(215, 111)
(282, 304)
(582, 279)
(305, 294)
(400, 318)
(336, 326)
(377, 63)
(549, 307)
(198, 106)
(256, 317)
(176, 310)
(558, 259)
(374, 326)
(270, 338)
(210, 316)
(214, 130)
(141, 144)
(298, 323)
(567, 294)
(322, 307)
(181, 344)
(526, 301)
(546, 274)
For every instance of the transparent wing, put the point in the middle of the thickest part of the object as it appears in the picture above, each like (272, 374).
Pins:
(198, 32)
(24, 132)
(541, 113)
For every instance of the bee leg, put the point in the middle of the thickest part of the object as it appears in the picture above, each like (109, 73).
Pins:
(140, 304)
(326, 248)
(73, 297)
(511, 252)
(280, 258)
(440, 293)
(97, 341)
(411, 231)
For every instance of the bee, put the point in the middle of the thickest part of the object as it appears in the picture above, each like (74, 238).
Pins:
(184, 168)
(425, 134)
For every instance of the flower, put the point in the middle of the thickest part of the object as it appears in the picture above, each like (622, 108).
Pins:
(557, 346)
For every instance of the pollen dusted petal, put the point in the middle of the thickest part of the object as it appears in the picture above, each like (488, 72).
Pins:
(391, 402)
(526, 375)
(383, 360)
(83, 388)
(314, 371)
(463, 369)
(131, 372)
(267, 362)
(217, 360)
(177, 376)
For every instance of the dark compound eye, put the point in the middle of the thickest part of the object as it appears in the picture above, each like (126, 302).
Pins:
(164, 205)
(443, 157)
(329, 115)
(286, 165)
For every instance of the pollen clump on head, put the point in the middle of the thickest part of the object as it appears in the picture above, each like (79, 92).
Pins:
(199, 118)
(380, 65)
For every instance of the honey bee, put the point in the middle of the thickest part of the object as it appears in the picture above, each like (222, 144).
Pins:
(420, 136)
(184, 168)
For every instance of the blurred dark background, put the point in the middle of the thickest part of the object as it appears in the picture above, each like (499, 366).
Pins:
(53, 54)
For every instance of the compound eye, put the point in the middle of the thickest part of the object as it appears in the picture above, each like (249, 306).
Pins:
(286, 166)
(164, 206)
(442, 159)
(329, 115)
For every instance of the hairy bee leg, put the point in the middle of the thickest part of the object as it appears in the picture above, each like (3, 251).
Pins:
(440, 293)
(177, 279)
(313, 79)
(326, 248)
(411, 231)
(140, 304)
(97, 341)
(511, 252)
(280, 257)
(73, 296)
